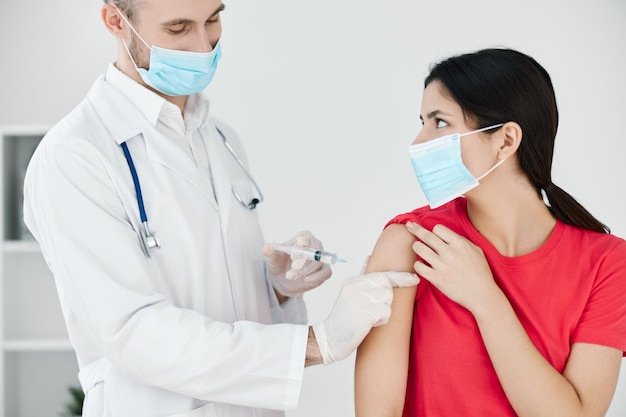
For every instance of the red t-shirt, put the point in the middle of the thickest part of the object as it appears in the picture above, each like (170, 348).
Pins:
(572, 289)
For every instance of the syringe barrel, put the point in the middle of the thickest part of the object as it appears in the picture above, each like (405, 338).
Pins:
(298, 252)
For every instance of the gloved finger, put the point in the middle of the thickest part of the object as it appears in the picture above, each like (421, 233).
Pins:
(383, 313)
(402, 279)
(277, 260)
(268, 250)
(274, 255)
(379, 294)
(375, 279)
(308, 268)
(364, 267)
(373, 289)
(298, 263)
(319, 276)
(303, 239)
(303, 268)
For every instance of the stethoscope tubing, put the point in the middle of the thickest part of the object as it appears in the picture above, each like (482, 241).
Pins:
(133, 172)
(149, 239)
(253, 203)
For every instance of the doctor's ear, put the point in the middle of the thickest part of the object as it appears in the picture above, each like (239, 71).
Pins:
(112, 21)
(511, 140)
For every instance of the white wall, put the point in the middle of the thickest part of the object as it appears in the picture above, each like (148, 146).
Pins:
(326, 96)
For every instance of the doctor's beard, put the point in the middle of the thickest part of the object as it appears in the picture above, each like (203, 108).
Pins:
(139, 53)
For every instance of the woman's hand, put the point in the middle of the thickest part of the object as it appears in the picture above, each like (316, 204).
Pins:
(454, 265)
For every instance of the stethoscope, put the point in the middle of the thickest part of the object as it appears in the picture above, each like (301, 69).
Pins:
(148, 238)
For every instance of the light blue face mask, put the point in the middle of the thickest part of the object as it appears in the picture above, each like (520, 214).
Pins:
(439, 168)
(174, 72)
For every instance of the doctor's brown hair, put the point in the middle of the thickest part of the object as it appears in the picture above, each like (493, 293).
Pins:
(499, 85)
(128, 7)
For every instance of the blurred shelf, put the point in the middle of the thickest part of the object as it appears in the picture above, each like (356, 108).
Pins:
(21, 246)
(34, 345)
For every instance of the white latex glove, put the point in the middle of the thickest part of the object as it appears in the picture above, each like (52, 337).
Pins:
(293, 277)
(363, 302)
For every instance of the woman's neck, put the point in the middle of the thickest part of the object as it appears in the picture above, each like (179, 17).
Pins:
(515, 221)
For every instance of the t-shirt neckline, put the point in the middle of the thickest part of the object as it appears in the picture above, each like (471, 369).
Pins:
(538, 254)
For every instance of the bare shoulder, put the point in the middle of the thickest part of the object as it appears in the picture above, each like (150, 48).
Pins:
(393, 251)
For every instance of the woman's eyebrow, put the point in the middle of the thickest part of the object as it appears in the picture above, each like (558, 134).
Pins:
(434, 114)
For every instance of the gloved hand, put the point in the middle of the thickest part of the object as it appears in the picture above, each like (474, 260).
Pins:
(293, 277)
(363, 302)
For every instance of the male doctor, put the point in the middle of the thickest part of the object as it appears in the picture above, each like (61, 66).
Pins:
(143, 206)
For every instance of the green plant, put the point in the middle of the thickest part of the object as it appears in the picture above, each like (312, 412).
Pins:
(75, 406)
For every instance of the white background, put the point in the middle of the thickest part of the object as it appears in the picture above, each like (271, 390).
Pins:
(326, 96)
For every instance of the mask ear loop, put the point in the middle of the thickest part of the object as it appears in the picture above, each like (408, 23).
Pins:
(482, 129)
(136, 33)
(545, 198)
(131, 28)
(499, 162)
(130, 55)
(491, 169)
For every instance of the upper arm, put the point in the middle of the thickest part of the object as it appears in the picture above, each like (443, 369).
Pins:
(393, 251)
(593, 366)
(593, 371)
(382, 358)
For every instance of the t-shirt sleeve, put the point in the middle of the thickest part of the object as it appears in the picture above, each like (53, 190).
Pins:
(404, 218)
(603, 321)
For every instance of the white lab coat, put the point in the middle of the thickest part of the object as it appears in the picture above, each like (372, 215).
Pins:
(178, 334)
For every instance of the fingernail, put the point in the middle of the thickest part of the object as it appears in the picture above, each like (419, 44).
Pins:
(410, 225)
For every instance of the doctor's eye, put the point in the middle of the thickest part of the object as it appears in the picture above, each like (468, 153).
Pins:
(441, 123)
(179, 29)
(213, 19)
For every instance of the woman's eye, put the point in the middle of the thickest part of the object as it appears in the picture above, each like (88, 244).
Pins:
(441, 123)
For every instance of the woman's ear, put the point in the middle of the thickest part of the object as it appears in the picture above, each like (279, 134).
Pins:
(511, 141)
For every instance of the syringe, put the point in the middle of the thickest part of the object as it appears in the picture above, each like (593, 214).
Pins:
(301, 252)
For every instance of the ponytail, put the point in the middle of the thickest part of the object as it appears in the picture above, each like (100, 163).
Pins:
(566, 209)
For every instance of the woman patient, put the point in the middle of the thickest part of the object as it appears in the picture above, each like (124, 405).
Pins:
(521, 308)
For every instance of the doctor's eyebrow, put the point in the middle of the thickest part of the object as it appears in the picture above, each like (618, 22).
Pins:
(181, 21)
(219, 9)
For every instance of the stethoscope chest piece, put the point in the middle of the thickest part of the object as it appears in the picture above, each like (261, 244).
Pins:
(148, 239)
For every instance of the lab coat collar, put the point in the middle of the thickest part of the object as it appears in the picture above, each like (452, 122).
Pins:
(152, 106)
(145, 101)
(196, 111)
(125, 119)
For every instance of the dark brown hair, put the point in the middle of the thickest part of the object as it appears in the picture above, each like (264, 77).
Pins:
(499, 85)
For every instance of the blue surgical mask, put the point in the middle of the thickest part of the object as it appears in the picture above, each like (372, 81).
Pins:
(174, 72)
(439, 168)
